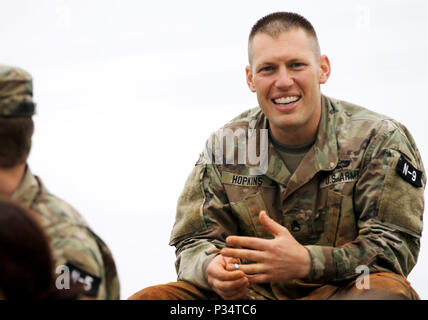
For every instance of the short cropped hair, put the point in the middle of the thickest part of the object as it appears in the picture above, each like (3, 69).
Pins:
(15, 141)
(278, 22)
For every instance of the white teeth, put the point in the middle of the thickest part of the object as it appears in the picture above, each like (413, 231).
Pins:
(286, 100)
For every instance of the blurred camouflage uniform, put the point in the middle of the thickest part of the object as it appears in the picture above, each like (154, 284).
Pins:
(75, 245)
(355, 199)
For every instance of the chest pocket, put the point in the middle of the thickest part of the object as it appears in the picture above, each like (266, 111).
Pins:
(247, 213)
(319, 227)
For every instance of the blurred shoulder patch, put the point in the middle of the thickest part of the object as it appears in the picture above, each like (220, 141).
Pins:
(202, 159)
(91, 283)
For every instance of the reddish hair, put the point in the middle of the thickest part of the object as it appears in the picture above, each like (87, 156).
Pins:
(27, 266)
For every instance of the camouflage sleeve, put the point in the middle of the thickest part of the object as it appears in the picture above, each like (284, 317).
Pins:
(389, 210)
(202, 224)
(112, 283)
(80, 255)
(76, 248)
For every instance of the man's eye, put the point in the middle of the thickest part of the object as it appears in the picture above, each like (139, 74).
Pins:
(297, 65)
(266, 69)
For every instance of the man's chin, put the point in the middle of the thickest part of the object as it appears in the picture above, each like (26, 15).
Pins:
(285, 123)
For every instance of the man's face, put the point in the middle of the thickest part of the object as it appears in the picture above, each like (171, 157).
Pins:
(286, 74)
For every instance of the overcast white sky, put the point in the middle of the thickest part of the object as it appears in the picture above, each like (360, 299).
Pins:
(128, 91)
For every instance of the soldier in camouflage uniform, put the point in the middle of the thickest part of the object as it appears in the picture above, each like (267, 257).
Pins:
(342, 191)
(80, 255)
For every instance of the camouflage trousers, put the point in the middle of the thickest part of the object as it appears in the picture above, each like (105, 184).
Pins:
(383, 286)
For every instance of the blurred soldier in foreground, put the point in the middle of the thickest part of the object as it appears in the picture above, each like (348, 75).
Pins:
(78, 252)
(341, 190)
(27, 266)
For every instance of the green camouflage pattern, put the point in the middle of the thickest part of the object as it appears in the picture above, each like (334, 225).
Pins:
(72, 239)
(345, 202)
(16, 87)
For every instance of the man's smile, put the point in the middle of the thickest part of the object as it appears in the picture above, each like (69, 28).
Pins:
(286, 103)
(286, 100)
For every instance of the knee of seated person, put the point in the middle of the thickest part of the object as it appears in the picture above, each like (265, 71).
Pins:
(379, 286)
(179, 290)
(392, 286)
(157, 292)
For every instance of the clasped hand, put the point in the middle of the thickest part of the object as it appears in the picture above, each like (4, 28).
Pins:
(279, 259)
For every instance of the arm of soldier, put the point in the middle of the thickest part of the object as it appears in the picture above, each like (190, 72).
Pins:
(390, 221)
(203, 221)
(112, 282)
(78, 259)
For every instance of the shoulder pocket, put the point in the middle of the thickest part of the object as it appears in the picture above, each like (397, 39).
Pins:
(401, 203)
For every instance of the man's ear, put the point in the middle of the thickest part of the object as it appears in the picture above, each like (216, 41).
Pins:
(250, 82)
(325, 69)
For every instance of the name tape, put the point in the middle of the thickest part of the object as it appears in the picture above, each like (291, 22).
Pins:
(246, 181)
(342, 176)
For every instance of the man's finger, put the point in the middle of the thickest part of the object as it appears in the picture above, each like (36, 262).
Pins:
(235, 294)
(231, 287)
(248, 242)
(259, 278)
(231, 260)
(271, 225)
(225, 275)
(249, 269)
(243, 254)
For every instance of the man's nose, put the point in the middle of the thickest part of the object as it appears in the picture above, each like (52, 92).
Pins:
(284, 78)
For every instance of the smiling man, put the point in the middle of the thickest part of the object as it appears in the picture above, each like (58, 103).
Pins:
(342, 192)
(286, 71)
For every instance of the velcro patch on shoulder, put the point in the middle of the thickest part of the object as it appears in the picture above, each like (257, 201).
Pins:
(91, 283)
(409, 173)
(246, 181)
(200, 159)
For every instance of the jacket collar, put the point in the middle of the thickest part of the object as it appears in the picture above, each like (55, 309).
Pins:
(29, 188)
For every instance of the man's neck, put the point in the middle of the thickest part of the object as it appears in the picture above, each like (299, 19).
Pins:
(10, 179)
(295, 136)
(298, 136)
(290, 138)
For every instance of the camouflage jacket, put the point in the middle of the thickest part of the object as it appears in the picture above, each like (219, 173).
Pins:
(357, 198)
(77, 249)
